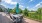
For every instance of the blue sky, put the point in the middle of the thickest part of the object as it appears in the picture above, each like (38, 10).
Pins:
(29, 4)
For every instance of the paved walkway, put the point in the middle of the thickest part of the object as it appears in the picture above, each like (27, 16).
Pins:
(30, 21)
(4, 18)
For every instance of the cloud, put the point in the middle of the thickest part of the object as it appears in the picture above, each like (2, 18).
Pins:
(27, 7)
(21, 7)
(30, 0)
(13, 3)
(30, 8)
(21, 3)
(3, 5)
(38, 5)
(9, 2)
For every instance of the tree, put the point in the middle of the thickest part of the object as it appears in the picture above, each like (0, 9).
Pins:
(10, 10)
(25, 12)
(39, 11)
(1, 9)
(20, 11)
(14, 10)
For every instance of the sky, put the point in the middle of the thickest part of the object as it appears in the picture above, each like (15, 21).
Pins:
(29, 4)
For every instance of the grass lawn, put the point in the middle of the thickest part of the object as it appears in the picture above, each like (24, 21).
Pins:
(35, 16)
